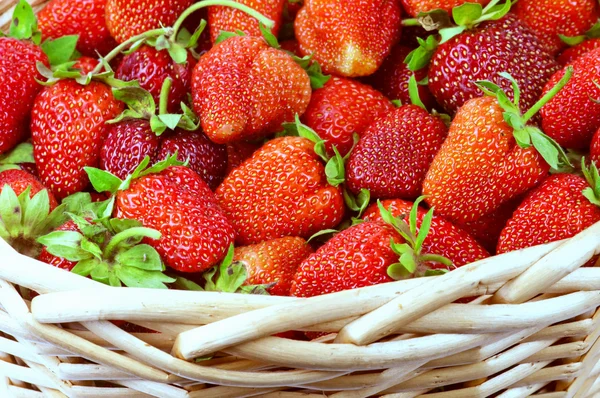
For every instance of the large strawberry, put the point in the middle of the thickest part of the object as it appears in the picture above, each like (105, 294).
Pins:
(348, 38)
(415, 7)
(227, 19)
(341, 108)
(242, 89)
(573, 115)
(280, 191)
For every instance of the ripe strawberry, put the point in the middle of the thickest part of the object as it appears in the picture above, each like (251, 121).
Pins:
(229, 19)
(244, 89)
(205, 157)
(549, 18)
(415, 7)
(238, 152)
(273, 262)
(84, 18)
(444, 238)
(555, 210)
(393, 75)
(126, 18)
(280, 191)
(341, 108)
(572, 53)
(394, 153)
(68, 127)
(19, 180)
(85, 64)
(595, 148)
(353, 45)
(573, 115)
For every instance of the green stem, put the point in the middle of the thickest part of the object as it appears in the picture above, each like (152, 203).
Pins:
(118, 49)
(225, 3)
(549, 95)
(411, 22)
(164, 96)
(129, 233)
(436, 258)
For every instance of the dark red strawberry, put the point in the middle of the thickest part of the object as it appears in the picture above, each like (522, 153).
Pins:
(342, 108)
(572, 53)
(238, 152)
(595, 148)
(415, 7)
(348, 38)
(229, 19)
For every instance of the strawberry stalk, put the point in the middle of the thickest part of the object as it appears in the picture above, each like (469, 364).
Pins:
(548, 96)
(135, 232)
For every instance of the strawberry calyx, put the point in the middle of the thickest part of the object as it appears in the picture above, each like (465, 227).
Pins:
(22, 153)
(592, 193)
(527, 135)
(592, 33)
(412, 262)
(24, 24)
(415, 99)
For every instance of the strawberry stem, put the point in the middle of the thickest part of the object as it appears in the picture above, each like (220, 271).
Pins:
(549, 95)
(411, 22)
(129, 233)
(164, 96)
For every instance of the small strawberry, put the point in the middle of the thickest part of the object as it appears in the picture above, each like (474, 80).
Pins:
(415, 7)
(280, 191)
(550, 18)
(348, 38)
(244, 89)
(573, 115)
(227, 19)
(341, 108)
(561, 207)
(84, 18)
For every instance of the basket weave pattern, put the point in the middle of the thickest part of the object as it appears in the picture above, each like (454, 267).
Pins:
(531, 329)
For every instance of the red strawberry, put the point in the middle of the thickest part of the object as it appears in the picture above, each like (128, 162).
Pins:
(572, 53)
(84, 18)
(342, 108)
(393, 75)
(150, 67)
(280, 191)
(205, 157)
(273, 262)
(415, 7)
(127, 18)
(19, 180)
(555, 210)
(595, 148)
(60, 262)
(85, 64)
(244, 89)
(68, 127)
(127, 143)
(230, 19)
(549, 18)
(573, 115)
(394, 153)
(238, 152)
(348, 38)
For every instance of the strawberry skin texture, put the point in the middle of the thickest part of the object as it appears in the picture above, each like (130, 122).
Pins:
(572, 53)
(392, 78)
(127, 18)
(348, 38)
(18, 88)
(444, 238)
(341, 108)
(85, 64)
(238, 152)
(19, 180)
(68, 127)
(274, 261)
(127, 143)
(77, 17)
(179, 204)
(280, 191)
(595, 148)
(150, 67)
(505, 45)
(55, 261)
(230, 20)
(414, 7)
(244, 89)
(356, 257)
(394, 153)
(571, 117)
(553, 211)
(549, 18)
(479, 166)
(205, 157)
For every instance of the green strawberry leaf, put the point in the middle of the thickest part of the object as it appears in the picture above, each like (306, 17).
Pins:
(139, 101)
(256, 289)
(592, 193)
(413, 92)
(467, 13)
(572, 40)
(157, 126)
(85, 267)
(423, 231)
(10, 211)
(192, 42)
(335, 169)
(308, 133)
(515, 121)
(400, 248)
(226, 35)
(37, 210)
(414, 211)
(495, 11)
(168, 161)
(91, 248)
(186, 284)
(65, 244)
(100, 272)
(136, 277)
(102, 180)
(515, 87)
(269, 37)
(121, 224)
(316, 75)
(143, 257)
(398, 271)
(170, 120)
(448, 33)
(22, 153)
(135, 46)
(61, 50)
(321, 233)
(178, 53)
(522, 136)
(420, 57)
(435, 272)
(397, 103)
(24, 23)
(548, 148)
(231, 277)
(409, 261)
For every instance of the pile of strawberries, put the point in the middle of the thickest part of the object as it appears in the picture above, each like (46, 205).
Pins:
(295, 148)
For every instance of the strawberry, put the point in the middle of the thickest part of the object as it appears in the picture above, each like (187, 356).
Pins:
(20, 180)
(126, 18)
(244, 89)
(561, 207)
(175, 201)
(415, 7)
(280, 191)
(341, 108)
(85, 64)
(573, 115)
(238, 152)
(491, 156)
(595, 148)
(230, 19)
(572, 53)
(84, 18)
(205, 157)
(550, 18)
(348, 38)
(273, 262)
(150, 67)
(393, 75)
(67, 127)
